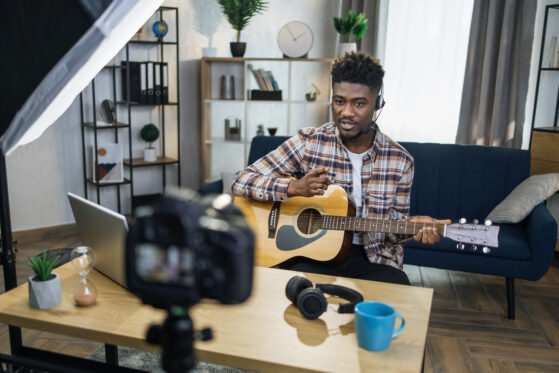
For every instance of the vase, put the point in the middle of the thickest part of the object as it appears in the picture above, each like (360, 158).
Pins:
(346, 47)
(150, 154)
(237, 49)
(45, 294)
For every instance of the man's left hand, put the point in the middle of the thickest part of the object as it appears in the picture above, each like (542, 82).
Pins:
(428, 235)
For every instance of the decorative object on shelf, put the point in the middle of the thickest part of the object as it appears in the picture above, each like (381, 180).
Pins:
(160, 29)
(85, 293)
(207, 17)
(238, 14)
(354, 27)
(256, 94)
(295, 39)
(108, 111)
(139, 35)
(260, 130)
(44, 287)
(272, 130)
(227, 87)
(233, 132)
(312, 94)
(149, 133)
(109, 166)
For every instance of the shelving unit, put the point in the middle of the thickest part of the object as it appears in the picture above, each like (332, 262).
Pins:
(294, 76)
(544, 144)
(132, 116)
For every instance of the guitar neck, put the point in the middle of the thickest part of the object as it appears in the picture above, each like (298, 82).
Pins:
(355, 224)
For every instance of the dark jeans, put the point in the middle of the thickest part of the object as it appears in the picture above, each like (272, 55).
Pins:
(356, 266)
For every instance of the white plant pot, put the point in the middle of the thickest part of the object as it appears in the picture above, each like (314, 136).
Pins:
(209, 52)
(150, 154)
(346, 47)
(44, 294)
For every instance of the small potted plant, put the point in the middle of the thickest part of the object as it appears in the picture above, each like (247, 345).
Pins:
(260, 130)
(149, 133)
(44, 286)
(238, 14)
(353, 27)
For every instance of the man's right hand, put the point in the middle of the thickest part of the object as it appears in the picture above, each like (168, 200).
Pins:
(312, 184)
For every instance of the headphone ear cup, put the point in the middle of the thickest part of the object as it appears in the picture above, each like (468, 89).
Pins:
(294, 287)
(379, 103)
(311, 303)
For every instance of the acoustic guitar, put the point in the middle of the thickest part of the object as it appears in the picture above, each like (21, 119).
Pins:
(321, 228)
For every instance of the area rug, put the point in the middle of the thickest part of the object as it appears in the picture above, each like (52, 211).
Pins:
(151, 362)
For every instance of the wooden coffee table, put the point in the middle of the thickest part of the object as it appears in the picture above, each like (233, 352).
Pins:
(266, 333)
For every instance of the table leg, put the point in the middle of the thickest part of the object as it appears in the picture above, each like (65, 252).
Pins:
(111, 354)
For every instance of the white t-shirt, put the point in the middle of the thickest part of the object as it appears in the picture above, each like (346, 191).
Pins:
(357, 165)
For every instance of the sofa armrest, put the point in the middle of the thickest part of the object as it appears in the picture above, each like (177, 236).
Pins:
(215, 187)
(541, 232)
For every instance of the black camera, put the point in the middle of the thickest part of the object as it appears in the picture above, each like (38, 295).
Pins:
(184, 248)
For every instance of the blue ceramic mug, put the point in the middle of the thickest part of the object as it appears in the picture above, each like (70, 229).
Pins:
(374, 325)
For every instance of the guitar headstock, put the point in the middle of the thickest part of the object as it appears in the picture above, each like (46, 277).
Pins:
(485, 235)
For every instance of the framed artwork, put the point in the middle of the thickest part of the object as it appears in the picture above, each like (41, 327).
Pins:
(109, 168)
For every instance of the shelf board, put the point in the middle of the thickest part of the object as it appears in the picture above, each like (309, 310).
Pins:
(136, 104)
(268, 101)
(553, 129)
(220, 101)
(117, 125)
(242, 59)
(126, 181)
(139, 162)
(322, 102)
(152, 42)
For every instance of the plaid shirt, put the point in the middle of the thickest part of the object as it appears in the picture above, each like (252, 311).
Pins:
(386, 178)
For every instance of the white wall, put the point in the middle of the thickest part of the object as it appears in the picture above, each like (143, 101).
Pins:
(41, 173)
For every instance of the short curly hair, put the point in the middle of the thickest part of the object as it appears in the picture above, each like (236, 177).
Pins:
(358, 67)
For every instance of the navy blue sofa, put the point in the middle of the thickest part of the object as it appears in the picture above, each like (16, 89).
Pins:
(466, 181)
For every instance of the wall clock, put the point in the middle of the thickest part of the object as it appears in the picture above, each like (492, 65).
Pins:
(295, 39)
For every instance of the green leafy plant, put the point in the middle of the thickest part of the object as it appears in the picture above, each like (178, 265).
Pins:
(354, 26)
(149, 133)
(239, 12)
(43, 265)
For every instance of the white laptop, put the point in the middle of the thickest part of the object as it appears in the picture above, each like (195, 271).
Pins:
(105, 232)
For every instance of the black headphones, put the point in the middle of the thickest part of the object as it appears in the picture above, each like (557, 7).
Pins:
(311, 302)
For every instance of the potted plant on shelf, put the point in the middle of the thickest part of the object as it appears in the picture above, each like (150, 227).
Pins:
(149, 133)
(354, 27)
(238, 14)
(44, 286)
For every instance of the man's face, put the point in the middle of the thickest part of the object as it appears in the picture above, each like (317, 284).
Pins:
(353, 106)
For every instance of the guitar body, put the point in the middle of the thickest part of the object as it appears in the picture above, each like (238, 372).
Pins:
(296, 233)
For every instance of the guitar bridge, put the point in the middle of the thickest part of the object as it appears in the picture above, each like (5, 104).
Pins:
(273, 218)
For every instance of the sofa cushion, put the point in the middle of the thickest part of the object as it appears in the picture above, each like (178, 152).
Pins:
(513, 244)
(522, 200)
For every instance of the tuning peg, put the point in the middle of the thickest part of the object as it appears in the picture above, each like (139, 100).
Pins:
(488, 222)
(474, 247)
(462, 221)
(475, 221)
(486, 250)
(460, 246)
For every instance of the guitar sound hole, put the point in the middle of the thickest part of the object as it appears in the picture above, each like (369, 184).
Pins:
(309, 221)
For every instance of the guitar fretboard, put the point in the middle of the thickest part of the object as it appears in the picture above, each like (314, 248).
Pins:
(344, 223)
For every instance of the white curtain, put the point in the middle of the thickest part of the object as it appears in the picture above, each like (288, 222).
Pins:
(425, 58)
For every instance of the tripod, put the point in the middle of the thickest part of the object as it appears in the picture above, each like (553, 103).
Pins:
(176, 337)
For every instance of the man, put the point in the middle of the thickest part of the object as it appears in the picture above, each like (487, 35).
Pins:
(351, 151)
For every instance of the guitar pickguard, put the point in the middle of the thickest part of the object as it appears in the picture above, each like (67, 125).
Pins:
(289, 239)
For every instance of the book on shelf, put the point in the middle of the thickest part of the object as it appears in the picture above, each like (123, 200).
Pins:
(264, 79)
(148, 82)
(108, 168)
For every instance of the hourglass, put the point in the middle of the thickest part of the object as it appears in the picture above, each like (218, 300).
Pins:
(83, 258)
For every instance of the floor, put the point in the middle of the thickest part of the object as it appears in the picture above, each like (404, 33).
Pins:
(468, 331)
